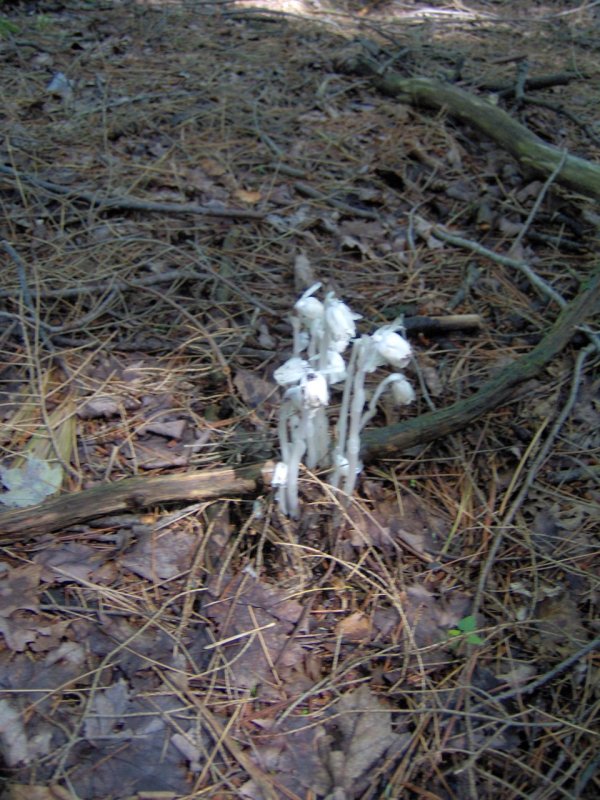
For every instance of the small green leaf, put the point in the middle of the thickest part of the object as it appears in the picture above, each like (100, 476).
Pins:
(467, 624)
(473, 638)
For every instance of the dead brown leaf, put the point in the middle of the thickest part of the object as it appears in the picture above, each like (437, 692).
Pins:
(19, 589)
(359, 735)
(354, 628)
(161, 554)
(261, 618)
(254, 390)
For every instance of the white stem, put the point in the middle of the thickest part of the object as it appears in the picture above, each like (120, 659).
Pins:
(311, 443)
(372, 410)
(356, 410)
(324, 342)
(296, 328)
(339, 452)
(282, 430)
(317, 438)
(281, 498)
(298, 429)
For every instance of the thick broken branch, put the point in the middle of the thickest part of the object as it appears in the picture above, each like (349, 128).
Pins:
(133, 494)
(531, 151)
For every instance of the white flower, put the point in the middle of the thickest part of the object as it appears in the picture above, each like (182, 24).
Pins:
(392, 347)
(314, 390)
(280, 474)
(335, 368)
(292, 371)
(339, 345)
(402, 391)
(310, 308)
(339, 320)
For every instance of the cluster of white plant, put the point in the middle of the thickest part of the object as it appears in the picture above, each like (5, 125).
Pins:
(323, 332)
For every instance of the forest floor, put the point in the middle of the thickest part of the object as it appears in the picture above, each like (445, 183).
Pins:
(173, 177)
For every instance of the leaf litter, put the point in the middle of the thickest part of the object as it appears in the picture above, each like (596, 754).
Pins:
(220, 650)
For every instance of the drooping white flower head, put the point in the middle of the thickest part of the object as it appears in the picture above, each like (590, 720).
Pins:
(291, 371)
(315, 393)
(391, 347)
(340, 321)
(401, 389)
(308, 306)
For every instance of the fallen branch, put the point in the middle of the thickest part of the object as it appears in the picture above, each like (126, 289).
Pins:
(133, 494)
(494, 393)
(125, 203)
(506, 88)
(140, 492)
(531, 151)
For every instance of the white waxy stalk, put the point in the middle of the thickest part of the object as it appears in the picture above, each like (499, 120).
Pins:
(317, 439)
(301, 338)
(335, 368)
(339, 454)
(279, 482)
(297, 450)
(315, 397)
(356, 408)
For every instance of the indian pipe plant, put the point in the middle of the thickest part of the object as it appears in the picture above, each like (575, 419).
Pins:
(324, 331)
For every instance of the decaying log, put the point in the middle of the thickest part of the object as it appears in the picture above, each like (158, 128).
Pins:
(131, 494)
(529, 150)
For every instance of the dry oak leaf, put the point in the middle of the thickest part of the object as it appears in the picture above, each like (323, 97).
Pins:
(19, 589)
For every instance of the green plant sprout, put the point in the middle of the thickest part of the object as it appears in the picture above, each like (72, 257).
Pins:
(466, 627)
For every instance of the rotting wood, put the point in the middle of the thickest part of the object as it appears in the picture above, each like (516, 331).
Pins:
(131, 493)
(529, 150)
(141, 491)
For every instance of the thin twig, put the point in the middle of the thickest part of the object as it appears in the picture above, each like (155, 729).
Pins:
(131, 203)
(538, 202)
(507, 261)
(532, 474)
